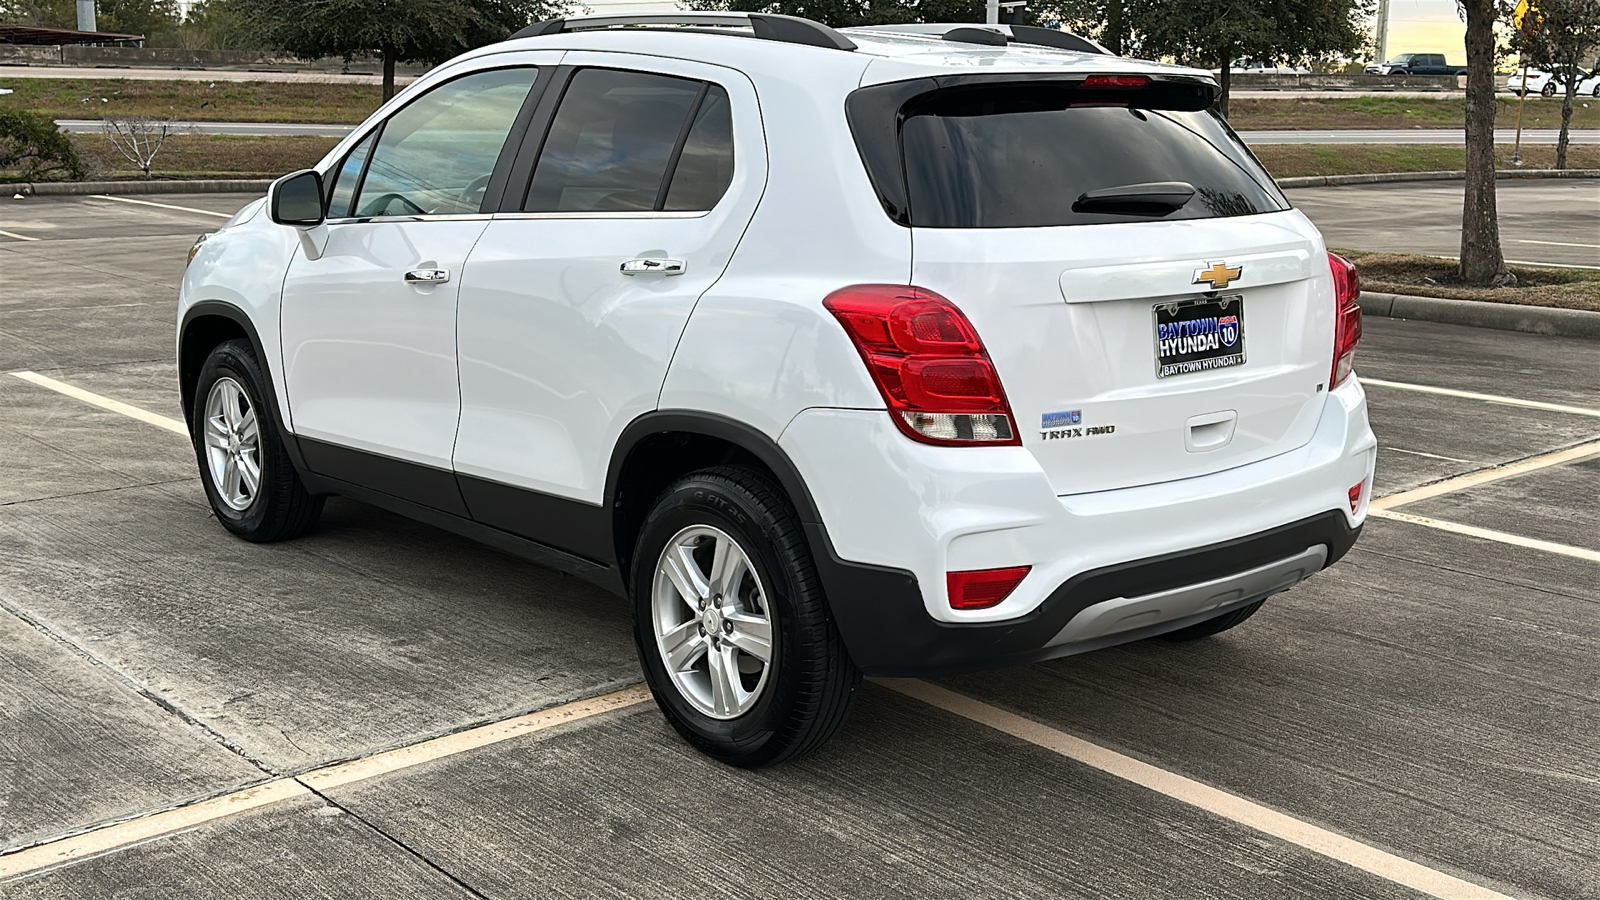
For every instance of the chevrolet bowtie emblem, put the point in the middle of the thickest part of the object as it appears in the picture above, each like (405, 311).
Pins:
(1218, 276)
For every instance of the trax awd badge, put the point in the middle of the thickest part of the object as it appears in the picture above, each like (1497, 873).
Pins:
(1055, 426)
(1218, 276)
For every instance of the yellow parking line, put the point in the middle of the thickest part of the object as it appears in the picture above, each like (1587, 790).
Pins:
(116, 406)
(134, 831)
(1218, 802)
(1490, 535)
(1485, 476)
(20, 237)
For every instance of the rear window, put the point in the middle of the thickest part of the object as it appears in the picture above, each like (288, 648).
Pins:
(1019, 156)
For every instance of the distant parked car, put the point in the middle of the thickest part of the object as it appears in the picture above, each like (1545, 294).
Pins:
(1548, 85)
(1263, 67)
(1416, 64)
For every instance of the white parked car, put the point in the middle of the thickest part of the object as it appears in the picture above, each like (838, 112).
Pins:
(1263, 67)
(1547, 85)
(896, 350)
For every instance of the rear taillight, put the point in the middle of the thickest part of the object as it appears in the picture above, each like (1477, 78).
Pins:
(1347, 318)
(983, 588)
(1356, 494)
(928, 363)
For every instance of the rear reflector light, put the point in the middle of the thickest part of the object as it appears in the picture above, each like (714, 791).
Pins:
(1355, 497)
(1116, 82)
(928, 363)
(1347, 318)
(983, 588)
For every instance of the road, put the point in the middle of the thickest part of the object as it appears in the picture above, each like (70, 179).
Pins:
(143, 74)
(1547, 222)
(1418, 718)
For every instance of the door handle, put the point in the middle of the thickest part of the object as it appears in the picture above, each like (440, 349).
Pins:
(653, 266)
(427, 276)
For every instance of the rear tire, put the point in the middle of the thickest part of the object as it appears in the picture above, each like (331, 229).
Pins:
(729, 537)
(248, 476)
(1215, 625)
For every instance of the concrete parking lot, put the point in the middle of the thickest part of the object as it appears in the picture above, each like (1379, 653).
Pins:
(382, 709)
(1542, 223)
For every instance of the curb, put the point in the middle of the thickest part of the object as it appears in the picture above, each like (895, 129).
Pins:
(207, 186)
(1390, 177)
(1576, 323)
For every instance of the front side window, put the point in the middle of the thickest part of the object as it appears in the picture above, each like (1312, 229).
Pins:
(347, 178)
(435, 156)
(618, 138)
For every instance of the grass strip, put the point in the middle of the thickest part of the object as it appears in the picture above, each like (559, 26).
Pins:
(1432, 276)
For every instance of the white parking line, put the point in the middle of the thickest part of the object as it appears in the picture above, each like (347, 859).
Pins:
(1556, 243)
(20, 237)
(1485, 476)
(156, 825)
(1490, 535)
(1428, 455)
(1487, 398)
(1229, 806)
(187, 209)
(116, 406)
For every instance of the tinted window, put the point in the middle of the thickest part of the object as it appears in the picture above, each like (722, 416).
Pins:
(705, 167)
(345, 180)
(1021, 156)
(435, 155)
(610, 142)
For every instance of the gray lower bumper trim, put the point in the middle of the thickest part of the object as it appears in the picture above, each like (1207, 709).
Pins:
(1127, 614)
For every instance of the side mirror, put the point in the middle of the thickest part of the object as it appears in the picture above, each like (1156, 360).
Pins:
(296, 199)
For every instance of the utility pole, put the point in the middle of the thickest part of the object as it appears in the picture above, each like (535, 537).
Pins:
(991, 12)
(86, 15)
(1383, 31)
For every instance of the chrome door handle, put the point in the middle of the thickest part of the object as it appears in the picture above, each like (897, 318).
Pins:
(427, 276)
(653, 266)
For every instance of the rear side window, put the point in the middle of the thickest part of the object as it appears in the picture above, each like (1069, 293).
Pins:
(1020, 156)
(633, 141)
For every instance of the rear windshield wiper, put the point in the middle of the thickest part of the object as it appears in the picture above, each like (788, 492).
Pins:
(1152, 198)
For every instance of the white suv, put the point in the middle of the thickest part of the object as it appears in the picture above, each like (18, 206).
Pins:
(898, 350)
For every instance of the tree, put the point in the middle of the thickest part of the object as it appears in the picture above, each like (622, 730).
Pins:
(1561, 37)
(1214, 33)
(146, 17)
(1481, 258)
(413, 31)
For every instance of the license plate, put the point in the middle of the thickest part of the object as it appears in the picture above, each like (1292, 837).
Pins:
(1199, 335)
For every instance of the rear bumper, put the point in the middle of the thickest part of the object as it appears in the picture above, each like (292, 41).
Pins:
(880, 614)
(899, 515)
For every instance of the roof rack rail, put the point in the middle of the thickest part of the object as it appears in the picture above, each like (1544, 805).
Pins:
(997, 35)
(786, 29)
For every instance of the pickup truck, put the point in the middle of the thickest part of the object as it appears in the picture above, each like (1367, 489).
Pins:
(1415, 64)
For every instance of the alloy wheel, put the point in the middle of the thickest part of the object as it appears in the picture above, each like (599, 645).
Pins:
(713, 624)
(233, 444)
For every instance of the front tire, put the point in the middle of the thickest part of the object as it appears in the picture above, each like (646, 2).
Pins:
(732, 627)
(248, 476)
(1549, 89)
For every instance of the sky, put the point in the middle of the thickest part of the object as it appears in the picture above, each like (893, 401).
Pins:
(1415, 26)
(1427, 26)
